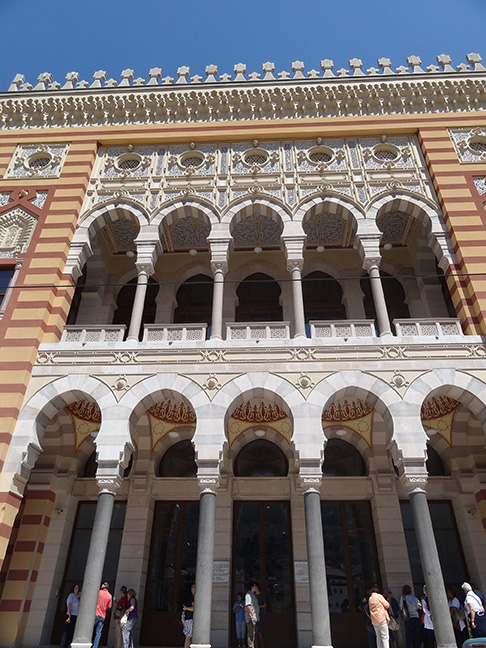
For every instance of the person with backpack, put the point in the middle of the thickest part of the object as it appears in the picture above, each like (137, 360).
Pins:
(411, 611)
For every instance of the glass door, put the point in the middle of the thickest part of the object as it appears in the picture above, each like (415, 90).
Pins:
(262, 550)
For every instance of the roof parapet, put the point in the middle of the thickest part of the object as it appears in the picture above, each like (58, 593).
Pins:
(414, 63)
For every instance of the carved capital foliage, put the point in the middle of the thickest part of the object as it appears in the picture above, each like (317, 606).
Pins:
(295, 264)
(208, 484)
(109, 483)
(219, 265)
(368, 264)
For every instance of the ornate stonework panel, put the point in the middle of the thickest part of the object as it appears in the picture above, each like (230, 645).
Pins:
(470, 144)
(86, 418)
(257, 230)
(480, 184)
(357, 168)
(167, 416)
(256, 413)
(120, 236)
(397, 227)
(37, 161)
(438, 413)
(16, 229)
(356, 416)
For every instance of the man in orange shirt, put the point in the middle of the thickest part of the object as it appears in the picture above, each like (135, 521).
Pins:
(379, 617)
(104, 603)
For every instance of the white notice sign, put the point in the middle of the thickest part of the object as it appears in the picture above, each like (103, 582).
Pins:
(221, 571)
(301, 571)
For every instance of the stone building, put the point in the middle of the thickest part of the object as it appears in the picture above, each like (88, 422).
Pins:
(242, 336)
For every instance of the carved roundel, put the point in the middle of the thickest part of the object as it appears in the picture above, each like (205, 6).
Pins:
(320, 155)
(191, 160)
(477, 144)
(255, 157)
(128, 162)
(386, 153)
(38, 161)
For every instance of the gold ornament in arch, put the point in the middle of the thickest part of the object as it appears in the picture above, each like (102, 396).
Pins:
(257, 412)
(356, 416)
(167, 416)
(86, 417)
(437, 413)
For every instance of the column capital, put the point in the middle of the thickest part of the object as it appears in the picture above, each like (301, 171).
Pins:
(371, 262)
(109, 484)
(147, 254)
(219, 265)
(208, 484)
(295, 264)
(309, 484)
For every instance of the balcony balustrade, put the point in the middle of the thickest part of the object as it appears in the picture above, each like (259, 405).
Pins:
(174, 332)
(430, 327)
(342, 329)
(92, 333)
(249, 331)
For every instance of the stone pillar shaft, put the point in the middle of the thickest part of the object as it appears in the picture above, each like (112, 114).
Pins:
(379, 301)
(93, 574)
(217, 310)
(138, 305)
(320, 620)
(429, 557)
(298, 302)
(204, 571)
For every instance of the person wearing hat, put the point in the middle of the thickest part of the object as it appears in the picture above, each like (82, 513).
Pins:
(475, 607)
(104, 604)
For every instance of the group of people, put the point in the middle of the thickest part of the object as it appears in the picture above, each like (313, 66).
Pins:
(249, 613)
(125, 616)
(385, 613)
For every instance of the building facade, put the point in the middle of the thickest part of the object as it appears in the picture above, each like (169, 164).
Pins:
(242, 336)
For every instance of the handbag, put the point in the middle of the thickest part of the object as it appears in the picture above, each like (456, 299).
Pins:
(124, 620)
(393, 623)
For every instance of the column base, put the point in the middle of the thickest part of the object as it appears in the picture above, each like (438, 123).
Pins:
(85, 645)
(444, 645)
(203, 645)
(321, 646)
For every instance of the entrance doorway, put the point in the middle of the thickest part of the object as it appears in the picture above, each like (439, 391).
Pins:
(351, 567)
(262, 551)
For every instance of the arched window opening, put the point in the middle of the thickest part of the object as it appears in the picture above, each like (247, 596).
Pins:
(179, 461)
(261, 458)
(445, 291)
(194, 301)
(323, 297)
(125, 300)
(78, 294)
(394, 298)
(258, 299)
(341, 459)
(434, 464)
(91, 466)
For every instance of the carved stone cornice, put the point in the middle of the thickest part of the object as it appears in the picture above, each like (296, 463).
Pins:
(406, 94)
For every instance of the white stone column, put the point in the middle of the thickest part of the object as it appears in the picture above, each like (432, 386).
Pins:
(294, 253)
(372, 267)
(145, 264)
(220, 247)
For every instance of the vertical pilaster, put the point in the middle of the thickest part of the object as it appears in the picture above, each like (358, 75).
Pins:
(219, 266)
(24, 564)
(146, 257)
(294, 252)
(371, 265)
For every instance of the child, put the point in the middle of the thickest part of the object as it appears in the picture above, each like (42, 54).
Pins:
(239, 610)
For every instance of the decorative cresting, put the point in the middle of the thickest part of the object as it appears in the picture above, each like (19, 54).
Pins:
(470, 144)
(167, 416)
(257, 412)
(16, 230)
(437, 413)
(86, 417)
(379, 91)
(356, 416)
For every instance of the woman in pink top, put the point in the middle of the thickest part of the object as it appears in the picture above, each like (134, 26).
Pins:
(379, 617)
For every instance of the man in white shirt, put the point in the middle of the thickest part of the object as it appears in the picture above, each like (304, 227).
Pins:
(252, 613)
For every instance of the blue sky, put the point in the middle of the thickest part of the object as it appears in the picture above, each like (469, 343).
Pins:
(60, 36)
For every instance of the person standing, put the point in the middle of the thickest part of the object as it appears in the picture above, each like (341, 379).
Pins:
(121, 606)
(132, 611)
(239, 612)
(104, 603)
(393, 611)
(72, 606)
(262, 604)
(188, 611)
(429, 634)
(458, 623)
(252, 613)
(475, 608)
(379, 617)
(410, 608)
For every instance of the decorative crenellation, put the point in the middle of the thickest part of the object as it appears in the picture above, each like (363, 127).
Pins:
(414, 66)
(378, 91)
(291, 170)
